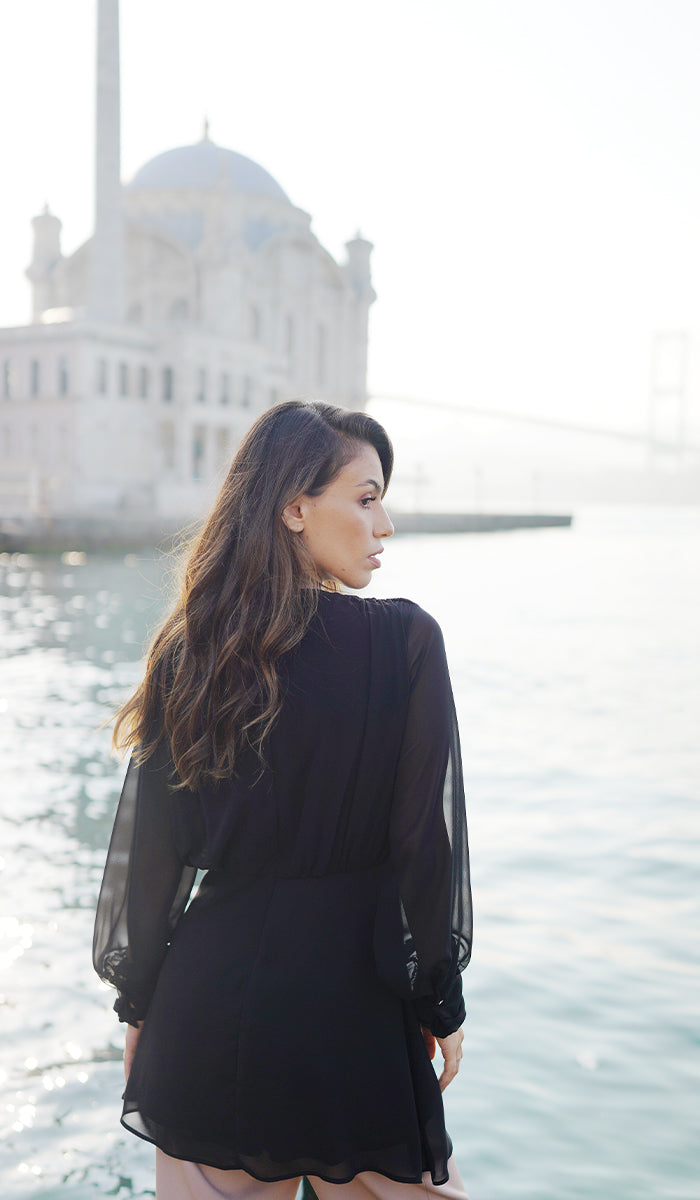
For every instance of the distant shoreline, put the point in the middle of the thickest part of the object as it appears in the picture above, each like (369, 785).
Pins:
(120, 533)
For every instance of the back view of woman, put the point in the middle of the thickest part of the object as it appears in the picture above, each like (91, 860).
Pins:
(300, 745)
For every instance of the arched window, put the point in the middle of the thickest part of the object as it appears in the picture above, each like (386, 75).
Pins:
(223, 445)
(34, 377)
(255, 324)
(167, 444)
(168, 383)
(123, 379)
(62, 376)
(198, 444)
(201, 385)
(102, 376)
(321, 354)
(225, 390)
(179, 310)
(144, 382)
(7, 379)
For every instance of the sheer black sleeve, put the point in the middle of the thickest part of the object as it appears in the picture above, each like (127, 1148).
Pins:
(144, 890)
(429, 835)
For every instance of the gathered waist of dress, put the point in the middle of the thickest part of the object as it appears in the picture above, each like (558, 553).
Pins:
(280, 871)
(355, 869)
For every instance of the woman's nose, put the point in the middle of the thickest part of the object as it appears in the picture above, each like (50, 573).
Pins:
(383, 527)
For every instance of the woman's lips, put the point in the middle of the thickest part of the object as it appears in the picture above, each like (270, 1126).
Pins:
(374, 559)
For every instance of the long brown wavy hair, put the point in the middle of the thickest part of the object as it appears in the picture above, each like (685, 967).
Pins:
(248, 592)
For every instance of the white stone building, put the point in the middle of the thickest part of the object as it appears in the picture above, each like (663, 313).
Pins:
(202, 298)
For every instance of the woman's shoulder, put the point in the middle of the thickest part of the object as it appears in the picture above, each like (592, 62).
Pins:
(421, 624)
(402, 629)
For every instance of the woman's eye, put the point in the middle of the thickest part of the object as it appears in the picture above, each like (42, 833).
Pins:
(366, 500)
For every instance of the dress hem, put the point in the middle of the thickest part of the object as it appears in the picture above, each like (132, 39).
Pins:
(239, 1166)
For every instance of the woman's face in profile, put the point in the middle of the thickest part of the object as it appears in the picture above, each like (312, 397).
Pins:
(342, 529)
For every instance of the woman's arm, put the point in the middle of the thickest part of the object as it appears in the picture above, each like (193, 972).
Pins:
(133, 1033)
(144, 890)
(429, 836)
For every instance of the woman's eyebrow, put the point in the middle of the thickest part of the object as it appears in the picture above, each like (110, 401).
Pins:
(372, 481)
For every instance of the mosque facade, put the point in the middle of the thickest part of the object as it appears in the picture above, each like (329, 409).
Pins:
(202, 298)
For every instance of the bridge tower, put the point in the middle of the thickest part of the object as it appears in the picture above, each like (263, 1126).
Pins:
(668, 397)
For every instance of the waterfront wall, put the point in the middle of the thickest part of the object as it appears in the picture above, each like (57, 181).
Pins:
(118, 533)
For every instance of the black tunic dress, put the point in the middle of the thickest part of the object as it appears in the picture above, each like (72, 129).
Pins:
(283, 1006)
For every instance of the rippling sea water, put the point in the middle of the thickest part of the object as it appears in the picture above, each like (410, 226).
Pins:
(575, 658)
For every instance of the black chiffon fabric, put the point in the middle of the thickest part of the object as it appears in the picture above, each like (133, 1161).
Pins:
(283, 1005)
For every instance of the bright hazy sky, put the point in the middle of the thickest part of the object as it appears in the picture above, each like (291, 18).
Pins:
(528, 170)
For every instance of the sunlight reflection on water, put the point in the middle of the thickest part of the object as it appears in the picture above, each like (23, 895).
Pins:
(574, 656)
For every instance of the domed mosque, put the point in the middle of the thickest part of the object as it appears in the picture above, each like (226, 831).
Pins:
(202, 298)
(202, 166)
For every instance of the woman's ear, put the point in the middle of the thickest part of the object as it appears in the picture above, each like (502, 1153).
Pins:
(292, 517)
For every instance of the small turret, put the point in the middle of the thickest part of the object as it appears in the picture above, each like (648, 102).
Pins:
(358, 272)
(46, 254)
(358, 266)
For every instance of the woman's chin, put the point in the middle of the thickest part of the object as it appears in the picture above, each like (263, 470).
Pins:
(360, 581)
(354, 580)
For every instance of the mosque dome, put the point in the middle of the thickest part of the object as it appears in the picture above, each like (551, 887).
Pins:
(202, 167)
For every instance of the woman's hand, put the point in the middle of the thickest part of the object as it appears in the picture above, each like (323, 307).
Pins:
(133, 1033)
(429, 1039)
(451, 1050)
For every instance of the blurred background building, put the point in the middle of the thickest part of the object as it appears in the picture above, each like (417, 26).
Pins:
(202, 298)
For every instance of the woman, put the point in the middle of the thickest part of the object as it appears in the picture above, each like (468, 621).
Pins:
(299, 744)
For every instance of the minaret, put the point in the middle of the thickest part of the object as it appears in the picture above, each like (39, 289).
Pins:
(106, 302)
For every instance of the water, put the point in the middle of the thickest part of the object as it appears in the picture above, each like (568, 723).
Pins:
(575, 660)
